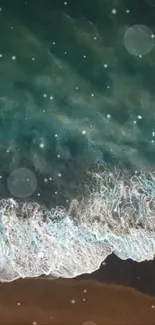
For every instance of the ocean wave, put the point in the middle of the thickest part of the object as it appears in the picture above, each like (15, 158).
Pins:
(114, 215)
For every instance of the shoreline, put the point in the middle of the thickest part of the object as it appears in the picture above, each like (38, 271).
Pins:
(73, 302)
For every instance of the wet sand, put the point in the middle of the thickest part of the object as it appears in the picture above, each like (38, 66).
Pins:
(70, 302)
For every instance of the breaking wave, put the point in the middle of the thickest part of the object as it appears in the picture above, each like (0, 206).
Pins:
(116, 214)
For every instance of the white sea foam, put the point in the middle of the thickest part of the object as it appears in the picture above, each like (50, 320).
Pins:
(116, 214)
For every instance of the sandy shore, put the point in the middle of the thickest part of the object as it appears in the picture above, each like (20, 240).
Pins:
(70, 302)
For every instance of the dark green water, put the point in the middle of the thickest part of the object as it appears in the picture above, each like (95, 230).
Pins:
(64, 70)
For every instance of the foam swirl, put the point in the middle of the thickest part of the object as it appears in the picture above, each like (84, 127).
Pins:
(115, 214)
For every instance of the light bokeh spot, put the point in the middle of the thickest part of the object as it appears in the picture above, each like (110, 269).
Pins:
(138, 40)
(22, 182)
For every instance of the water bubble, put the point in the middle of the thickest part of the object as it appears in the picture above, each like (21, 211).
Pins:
(22, 182)
(138, 40)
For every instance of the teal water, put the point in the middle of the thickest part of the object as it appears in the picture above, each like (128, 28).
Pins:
(61, 52)
(76, 97)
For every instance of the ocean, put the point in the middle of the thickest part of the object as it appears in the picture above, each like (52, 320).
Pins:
(77, 130)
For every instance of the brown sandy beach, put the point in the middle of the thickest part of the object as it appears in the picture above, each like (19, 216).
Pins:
(70, 302)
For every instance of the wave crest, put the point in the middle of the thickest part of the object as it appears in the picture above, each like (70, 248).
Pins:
(115, 214)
